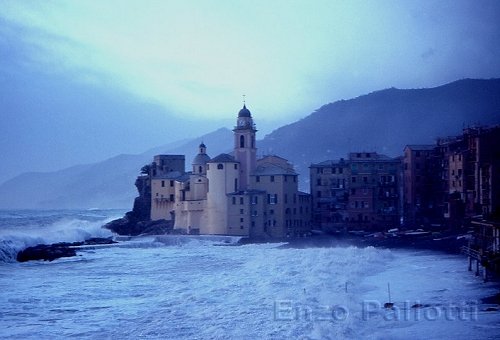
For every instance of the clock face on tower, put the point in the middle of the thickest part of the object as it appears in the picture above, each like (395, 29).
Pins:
(241, 122)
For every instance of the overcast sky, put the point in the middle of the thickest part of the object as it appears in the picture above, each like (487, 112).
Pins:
(85, 68)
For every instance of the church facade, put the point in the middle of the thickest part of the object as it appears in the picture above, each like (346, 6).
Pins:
(231, 194)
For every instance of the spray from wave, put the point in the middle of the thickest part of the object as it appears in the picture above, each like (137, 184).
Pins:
(26, 229)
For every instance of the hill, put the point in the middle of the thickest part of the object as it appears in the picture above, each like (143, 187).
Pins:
(107, 184)
(383, 121)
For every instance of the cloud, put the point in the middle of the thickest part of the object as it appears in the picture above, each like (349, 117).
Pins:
(197, 59)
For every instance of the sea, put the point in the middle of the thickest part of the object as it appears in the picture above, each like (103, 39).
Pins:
(188, 287)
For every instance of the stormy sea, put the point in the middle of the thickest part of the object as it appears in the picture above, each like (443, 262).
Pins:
(182, 287)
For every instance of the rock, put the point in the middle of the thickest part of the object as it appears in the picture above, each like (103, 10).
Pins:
(50, 252)
(45, 252)
(159, 227)
(137, 221)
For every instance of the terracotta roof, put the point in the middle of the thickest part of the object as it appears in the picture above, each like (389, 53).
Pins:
(223, 158)
(272, 169)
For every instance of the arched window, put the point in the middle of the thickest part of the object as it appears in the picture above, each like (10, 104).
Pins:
(242, 141)
(200, 169)
(220, 166)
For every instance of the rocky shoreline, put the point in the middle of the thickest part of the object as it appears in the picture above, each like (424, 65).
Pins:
(450, 242)
(51, 252)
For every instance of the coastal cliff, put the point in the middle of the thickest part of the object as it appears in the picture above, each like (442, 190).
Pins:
(138, 221)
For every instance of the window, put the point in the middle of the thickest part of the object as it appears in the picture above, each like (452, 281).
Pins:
(235, 184)
(242, 141)
(255, 199)
(242, 211)
(341, 170)
(241, 200)
(271, 212)
(365, 179)
(318, 181)
(171, 183)
(272, 199)
(257, 178)
(235, 166)
(272, 178)
(220, 166)
(234, 200)
(353, 179)
(286, 178)
(200, 169)
(241, 219)
(162, 184)
(172, 198)
(241, 227)
(286, 198)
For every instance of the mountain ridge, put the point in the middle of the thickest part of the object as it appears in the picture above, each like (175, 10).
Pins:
(383, 121)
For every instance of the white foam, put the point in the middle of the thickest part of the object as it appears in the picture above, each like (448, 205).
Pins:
(13, 240)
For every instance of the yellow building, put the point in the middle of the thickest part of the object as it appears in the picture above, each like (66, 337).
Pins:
(231, 194)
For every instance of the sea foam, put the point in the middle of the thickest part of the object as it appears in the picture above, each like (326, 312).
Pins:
(14, 238)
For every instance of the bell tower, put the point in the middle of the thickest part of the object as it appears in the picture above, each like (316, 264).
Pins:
(244, 146)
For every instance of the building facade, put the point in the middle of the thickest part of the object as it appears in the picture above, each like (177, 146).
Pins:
(456, 178)
(361, 192)
(231, 194)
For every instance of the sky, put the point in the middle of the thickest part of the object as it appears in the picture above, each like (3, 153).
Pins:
(81, 81)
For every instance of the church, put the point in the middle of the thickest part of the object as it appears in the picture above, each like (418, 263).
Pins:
(231, 194)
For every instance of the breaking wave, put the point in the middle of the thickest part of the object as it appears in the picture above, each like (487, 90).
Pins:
(21, 230)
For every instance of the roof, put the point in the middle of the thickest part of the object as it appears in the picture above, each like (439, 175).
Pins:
(201, 159)
(272, 169)
(420, 147)
(168, 175)
(330, 163)
(184, 178)
(244, 112)
(223, 158)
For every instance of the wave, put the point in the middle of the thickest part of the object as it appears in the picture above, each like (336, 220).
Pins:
(64, 229)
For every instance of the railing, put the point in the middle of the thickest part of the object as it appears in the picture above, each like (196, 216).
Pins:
(473, 253)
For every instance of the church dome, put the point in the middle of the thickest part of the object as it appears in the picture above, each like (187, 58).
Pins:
(201, 159)
(244, 112)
